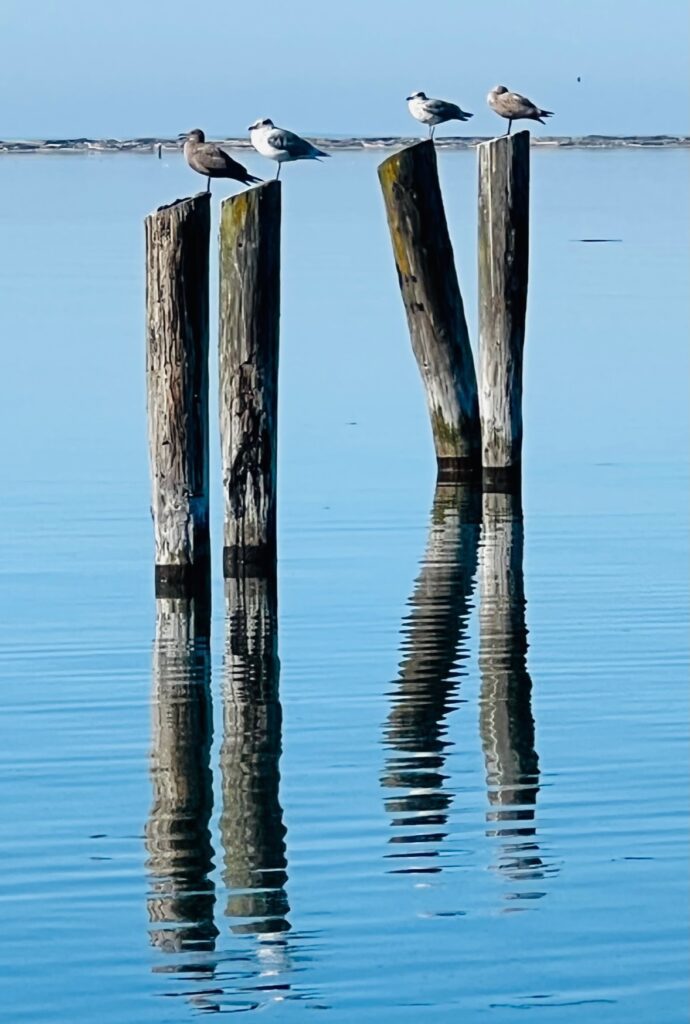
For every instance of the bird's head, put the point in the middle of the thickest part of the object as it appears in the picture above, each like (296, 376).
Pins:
(196, 135)
(264, 122)
(498, 90)
(419, 95)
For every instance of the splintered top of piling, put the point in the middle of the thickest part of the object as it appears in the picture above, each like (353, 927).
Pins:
(423, 148)
(522, 138)
(260, 205)
(200, 196)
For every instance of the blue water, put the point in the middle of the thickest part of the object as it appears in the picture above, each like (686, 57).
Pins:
(447, 780)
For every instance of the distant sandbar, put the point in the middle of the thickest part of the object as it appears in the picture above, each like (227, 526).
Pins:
(154, 145)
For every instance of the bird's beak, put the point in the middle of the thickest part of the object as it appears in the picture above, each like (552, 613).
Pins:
(408, 98)
(251, 127)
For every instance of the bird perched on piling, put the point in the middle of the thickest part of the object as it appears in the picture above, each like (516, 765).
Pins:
(515, 107)
(433, 112)
(210, 160)
(281, 145)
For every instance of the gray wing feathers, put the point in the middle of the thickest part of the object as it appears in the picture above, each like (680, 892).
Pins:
(520, 106)
(214, 158)
(213, 161)
(448, 111)
(293, 145)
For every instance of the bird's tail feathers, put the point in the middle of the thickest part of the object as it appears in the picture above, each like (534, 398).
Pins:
(252, 180)
(546, 113)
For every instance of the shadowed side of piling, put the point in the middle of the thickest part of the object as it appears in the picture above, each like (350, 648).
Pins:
(177, 260)
(433, 304)
(503, 275)
(248, 368)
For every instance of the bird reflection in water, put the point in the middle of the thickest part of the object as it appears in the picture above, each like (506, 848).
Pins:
(506, 723)
(434, 649)
(181, 898)
(252, 829)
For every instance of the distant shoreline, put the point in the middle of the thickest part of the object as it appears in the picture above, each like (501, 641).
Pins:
(152, 145)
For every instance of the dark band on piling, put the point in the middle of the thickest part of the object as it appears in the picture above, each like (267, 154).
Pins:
(182, 580)
(253, 560)
(502, 479)
(452, 469)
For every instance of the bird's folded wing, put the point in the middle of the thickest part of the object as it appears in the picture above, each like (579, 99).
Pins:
(521, 102)
(288, 142)
(215, 158)
(439, 108)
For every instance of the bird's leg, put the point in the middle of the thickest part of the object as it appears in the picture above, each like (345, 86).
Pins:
(278, 172)
(431, 131)
(510, 125)
(208, 183)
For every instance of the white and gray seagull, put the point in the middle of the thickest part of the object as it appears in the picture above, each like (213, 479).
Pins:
(515, 107)
(433, 112)
(281, 145)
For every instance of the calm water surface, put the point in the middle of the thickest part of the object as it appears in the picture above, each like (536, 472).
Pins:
(440, 775)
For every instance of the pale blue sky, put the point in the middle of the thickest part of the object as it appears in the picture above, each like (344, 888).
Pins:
(140, 67)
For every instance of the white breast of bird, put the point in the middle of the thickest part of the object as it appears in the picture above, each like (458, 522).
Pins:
(418, 108)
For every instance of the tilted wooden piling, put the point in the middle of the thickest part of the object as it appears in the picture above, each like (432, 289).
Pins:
(248, 357)
(433, 304)
(177, 258)
(433, 648)
(503, 271)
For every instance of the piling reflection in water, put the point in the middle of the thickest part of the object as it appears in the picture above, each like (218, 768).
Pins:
(505, 720)
(181, 899)
(434, 647)
(251, 823)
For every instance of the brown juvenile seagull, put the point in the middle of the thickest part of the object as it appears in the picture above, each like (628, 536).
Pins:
(213, 162)
(515, 107)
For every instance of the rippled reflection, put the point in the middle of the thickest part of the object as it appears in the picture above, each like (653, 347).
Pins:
(506, 722)
(181, 898)
(433, 649)
(252, 829)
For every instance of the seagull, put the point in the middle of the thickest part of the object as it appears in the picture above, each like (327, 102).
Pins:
(515, 107)
(212, 161)
(433, 112)
(281, 145)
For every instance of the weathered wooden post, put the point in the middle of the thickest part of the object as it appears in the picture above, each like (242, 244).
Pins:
(251, 821)
(177, 257)
(434, 645)
(506, 723)
(248, 341)
(433, 304)
(503, 269)
(181, 900)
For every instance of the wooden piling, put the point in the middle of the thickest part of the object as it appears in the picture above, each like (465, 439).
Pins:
(181, 897)
(506, 723)
(248, 359)
(433, 304)
(503, 272)
(433, 649)
(177, 259)
(251, 822)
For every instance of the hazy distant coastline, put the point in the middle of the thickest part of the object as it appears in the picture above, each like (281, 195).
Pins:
(384, 142)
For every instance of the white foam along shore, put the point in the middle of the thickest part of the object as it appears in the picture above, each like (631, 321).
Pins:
(384, 142)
